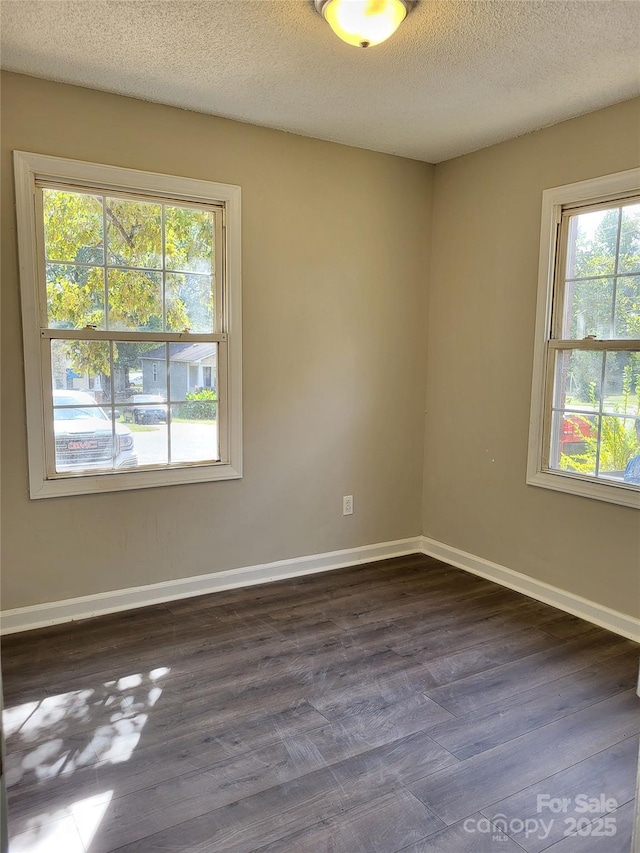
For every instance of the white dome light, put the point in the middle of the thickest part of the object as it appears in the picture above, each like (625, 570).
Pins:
(364, 23)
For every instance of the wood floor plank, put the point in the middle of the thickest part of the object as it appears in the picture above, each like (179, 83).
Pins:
(383, 825)
(501, 682)
(173, 799)
(47, 642)
(619, 842)
(280, 680)
(565, 625)
(379, 710)
(441, 669)
(284, 597)
(183, 819)
(484, 779)
(361, 605)
(607, 778)
(492, 725)
(465, 611)
(124, 654)
(37, 776)
(354, 614)
(470, 836)
(445, 639)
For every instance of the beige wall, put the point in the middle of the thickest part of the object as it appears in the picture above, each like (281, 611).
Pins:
(479, 364)
(336, 280)
(335, 263)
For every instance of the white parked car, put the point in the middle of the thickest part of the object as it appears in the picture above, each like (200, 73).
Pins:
(85, 437)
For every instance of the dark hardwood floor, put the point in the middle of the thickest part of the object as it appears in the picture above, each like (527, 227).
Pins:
(398, 706)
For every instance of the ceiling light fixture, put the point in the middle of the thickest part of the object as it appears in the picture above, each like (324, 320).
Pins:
(364, 22)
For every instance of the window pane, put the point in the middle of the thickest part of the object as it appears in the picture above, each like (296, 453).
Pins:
(75, 296)
(135, 300)
(629, 259)
(81, 366)
(574, 442)
(194, 371)
(618, 445)
(73, 226)
(148, 425)
(622, 383)
(86, 436)
(627, 321)
(594, 445)
(589, 308)
(189, 240)
(134, 233)
(144, 413)
(194, 432)
(140, 373)
(593, 238)
(578, 380)
(189, 302)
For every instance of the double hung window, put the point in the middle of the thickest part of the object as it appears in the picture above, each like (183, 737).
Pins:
(585, 435)
(131, 315)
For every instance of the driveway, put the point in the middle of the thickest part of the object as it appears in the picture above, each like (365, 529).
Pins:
(193, 442)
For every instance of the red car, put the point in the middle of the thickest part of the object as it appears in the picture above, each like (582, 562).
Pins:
(575, 430)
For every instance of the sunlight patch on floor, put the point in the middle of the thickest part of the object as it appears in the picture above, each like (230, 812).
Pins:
(60, 835)
(40, 751)
(71, 833)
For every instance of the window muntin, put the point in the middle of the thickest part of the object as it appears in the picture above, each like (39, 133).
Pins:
(584, 434)
(110, 274)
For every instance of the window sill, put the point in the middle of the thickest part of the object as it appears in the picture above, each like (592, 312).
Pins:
(99, 483)
(575, 485)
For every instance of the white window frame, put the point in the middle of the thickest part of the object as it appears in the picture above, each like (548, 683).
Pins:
(554, 201)
(30, 168)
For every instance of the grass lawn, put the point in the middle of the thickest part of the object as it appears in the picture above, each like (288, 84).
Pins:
(612, 404)
(137, 427)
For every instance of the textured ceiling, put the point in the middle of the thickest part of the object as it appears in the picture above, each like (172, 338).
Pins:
(457, 76)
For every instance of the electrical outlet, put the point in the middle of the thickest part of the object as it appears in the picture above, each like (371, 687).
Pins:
(347, 505)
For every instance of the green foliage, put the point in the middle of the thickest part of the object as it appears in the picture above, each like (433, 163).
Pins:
(75, 245)
(89, 356)
(134, 233)
(135, 300)
(594, 254)
(188, 240)
(618, 440)
(201, 405)
(618, 444)
(73, 227)
(75, 296)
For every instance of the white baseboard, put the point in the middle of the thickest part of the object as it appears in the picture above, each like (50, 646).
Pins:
(71, 609)
(52, 613)
(605, 617)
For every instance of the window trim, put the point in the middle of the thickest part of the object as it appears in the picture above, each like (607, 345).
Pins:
(554, 201)
(29, 168)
